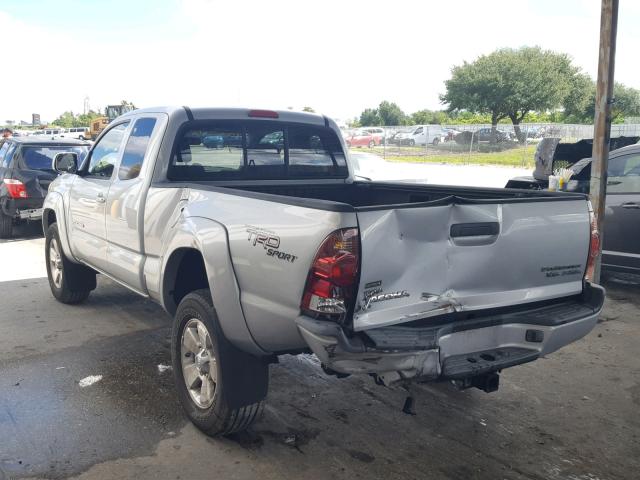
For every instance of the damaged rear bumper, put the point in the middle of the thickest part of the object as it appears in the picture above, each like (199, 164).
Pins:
(457, 349)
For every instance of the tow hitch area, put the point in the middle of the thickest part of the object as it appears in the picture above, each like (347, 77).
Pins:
(487, 383)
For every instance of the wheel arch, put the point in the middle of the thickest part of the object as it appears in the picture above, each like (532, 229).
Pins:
(53, 212)
(198, 256)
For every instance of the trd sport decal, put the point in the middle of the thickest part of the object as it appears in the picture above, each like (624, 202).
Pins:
(270, 242)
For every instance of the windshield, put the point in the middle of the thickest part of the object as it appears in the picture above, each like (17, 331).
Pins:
(41, 158)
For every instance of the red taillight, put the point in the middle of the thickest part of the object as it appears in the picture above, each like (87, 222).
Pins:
(331, 285)
(15, 188)
(263, 114)
(594, 245)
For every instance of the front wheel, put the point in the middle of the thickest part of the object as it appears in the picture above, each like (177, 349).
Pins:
(436, 141)
(412, 143)
(69, 282)
(220, 387)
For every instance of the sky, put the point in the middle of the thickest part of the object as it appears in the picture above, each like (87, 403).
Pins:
(337, 57)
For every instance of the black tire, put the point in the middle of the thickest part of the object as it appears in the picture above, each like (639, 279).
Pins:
(412, 143)
(241, 379)
(6, 226)
(372, 144)
(75, 281)
(436, 141)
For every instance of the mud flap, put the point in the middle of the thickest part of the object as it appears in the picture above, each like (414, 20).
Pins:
(247, 380)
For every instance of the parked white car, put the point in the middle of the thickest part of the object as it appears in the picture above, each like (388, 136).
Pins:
(51, 132)
(80, 133)
(421, 135)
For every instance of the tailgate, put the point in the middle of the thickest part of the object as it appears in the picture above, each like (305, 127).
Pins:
(425, 261)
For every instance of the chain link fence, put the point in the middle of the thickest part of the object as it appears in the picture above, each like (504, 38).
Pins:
(469, 144)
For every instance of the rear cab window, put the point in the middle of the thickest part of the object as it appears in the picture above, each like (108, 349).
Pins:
(252, 150)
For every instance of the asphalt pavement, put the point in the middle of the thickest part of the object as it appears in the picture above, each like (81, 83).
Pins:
(86, 392)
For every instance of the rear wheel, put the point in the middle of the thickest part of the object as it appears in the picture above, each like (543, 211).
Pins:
(221, 388)
(372, 144)
(69, 282)
(6, 226)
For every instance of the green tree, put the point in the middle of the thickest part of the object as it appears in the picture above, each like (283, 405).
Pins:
(580, 105)
(429, 117)
(510, 83)
(65, 120)
(370, 118)
(626, 103)
(391, 114)
(308, 109)
(85, 119)
(581, 94)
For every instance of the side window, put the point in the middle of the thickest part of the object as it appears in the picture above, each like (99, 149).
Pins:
(418, 131)
(9, 155)
(3, 152)
(624, 174)
(105, 153)
(136, 148)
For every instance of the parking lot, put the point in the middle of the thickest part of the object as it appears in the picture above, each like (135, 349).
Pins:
(85, 391)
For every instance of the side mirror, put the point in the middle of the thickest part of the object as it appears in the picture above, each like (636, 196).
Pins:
(65, 162)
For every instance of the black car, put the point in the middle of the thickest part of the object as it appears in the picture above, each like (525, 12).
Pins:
(25, 175)
(482, 135)
(620, 247)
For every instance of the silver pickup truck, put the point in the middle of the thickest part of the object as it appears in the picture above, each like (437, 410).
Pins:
(251, 229)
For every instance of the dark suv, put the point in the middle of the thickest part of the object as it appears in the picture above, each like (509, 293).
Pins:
(25, 175)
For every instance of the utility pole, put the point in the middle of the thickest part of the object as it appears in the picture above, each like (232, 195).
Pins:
(602, 120)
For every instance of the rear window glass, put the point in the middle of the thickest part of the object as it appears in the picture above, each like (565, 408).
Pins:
(314, 152)
(40, 158)
(218, 150)
(209, 151)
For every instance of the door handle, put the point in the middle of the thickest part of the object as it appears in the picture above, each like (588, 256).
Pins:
(100, 198)
(631, 205)
(474, 229)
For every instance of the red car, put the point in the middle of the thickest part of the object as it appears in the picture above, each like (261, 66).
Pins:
(363, 138)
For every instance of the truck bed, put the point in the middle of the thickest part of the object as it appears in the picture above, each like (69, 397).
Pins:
(365, 195)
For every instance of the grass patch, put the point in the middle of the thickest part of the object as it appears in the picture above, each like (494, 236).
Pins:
(512, 158)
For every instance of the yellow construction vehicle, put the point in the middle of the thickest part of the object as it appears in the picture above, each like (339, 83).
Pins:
(111, 113)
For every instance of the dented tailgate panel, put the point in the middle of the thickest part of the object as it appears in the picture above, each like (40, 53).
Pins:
(425, 261)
